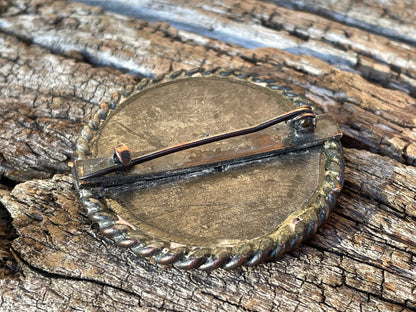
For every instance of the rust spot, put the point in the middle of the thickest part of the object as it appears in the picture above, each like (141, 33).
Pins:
(122, 152)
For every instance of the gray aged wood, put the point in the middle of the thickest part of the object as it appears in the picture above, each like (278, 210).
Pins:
(59, 60)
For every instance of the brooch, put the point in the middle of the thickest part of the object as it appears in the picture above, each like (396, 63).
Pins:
(209, 169)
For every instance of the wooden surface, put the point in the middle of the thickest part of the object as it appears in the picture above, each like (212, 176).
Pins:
(59, 60)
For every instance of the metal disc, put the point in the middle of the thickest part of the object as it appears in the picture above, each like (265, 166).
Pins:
(223, 216)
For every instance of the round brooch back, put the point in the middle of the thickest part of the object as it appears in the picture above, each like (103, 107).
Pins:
(160, 174)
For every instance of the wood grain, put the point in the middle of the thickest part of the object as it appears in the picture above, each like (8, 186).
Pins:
(59, 60)
(350, 257)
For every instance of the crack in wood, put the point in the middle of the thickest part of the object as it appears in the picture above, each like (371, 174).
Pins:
(364, 253)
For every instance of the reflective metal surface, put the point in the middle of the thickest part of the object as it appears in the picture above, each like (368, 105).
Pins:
(200, 207)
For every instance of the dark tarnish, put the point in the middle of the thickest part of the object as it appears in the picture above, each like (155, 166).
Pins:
(302, 119)
(240, 197)
(93, 171)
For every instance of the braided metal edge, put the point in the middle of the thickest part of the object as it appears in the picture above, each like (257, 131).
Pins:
(297, 227)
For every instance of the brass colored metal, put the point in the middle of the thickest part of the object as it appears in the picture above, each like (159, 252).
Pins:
(122, 158)
(224, 203)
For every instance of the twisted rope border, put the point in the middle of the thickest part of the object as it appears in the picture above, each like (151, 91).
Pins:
(297, 227)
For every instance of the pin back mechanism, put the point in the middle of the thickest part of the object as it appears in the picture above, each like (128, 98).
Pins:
(303, 129)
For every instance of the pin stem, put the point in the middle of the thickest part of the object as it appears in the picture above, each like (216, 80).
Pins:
(219, 137)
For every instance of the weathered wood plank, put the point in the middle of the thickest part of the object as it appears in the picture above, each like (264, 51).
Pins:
(58, 61)
(8, 264)
(364, 110)
(395, 19)
(41, 291)
(45, 99)
(349, 257)
(254, 24)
